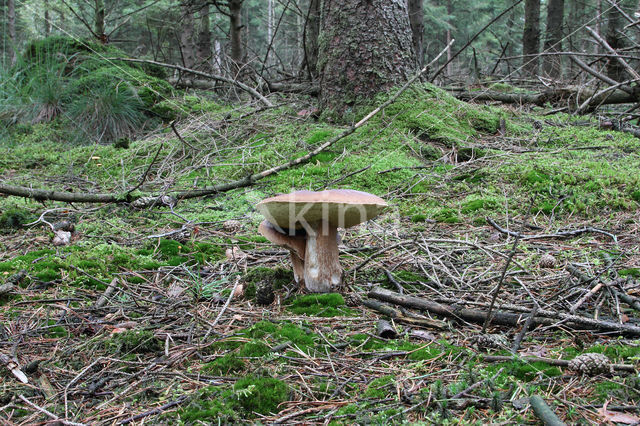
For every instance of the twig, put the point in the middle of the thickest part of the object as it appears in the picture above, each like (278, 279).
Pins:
(146, 172)
(154, 411)
(242, 86)
(611, 50)
(173, 127)
(560, 234)
(550, 361)
(518, 340)
(49, 413)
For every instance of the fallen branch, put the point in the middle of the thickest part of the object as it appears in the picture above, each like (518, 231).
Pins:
(550, 361)
(544, 412)
(556, 96)
(242, 86)
(397, 315)
(501, 318)
(561, 234)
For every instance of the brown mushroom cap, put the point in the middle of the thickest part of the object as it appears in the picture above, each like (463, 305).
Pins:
(340, 207)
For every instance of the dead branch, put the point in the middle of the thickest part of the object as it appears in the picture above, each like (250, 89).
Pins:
(556, 96)
(544, 412)
(560, 234)
(241, 85)
(550, 361)
(499, 318)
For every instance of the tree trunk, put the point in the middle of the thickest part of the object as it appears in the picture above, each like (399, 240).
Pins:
(11, 28)
(235, 34)
(598, 23)
(531, 36)
(47, 19)
(365, 47)
(449, 52)
(186, 35)
(416, 19)
(98, 23)
(311, 37)
(553, 41)
(203, 49)
(615, 70)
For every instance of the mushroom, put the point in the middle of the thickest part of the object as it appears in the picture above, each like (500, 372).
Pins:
(307, 223)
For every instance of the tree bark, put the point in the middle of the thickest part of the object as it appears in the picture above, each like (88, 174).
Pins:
(365, 47)
(553, 40)
(47, 19)
(416, 19)
(311, 37)
(11, 28)
(186, 35)
(615, 70)
(531, 36)
(203, 48)
(235, 34)
(98, 22)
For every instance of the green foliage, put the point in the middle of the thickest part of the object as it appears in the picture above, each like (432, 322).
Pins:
(321, 305)
(381, 387)
(630, 272)
(263, 394)
(14, 218)
(63, 79)
(225, 365)
(133, 341)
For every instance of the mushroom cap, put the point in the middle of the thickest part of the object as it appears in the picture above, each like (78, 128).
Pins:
(294, 243)
(340, 207)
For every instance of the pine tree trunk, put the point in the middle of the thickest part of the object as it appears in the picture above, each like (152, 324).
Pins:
(186, 35)
(531, 36)
(11, 28)
(365, 47)
(235, 34)
(449, 52)
(203, 49)
(47, 19)
(615, 70)
(553, 41)
(311, 37)
(98, 22)
(416, 19)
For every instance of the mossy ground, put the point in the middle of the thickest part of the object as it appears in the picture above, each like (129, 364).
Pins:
(444, 167)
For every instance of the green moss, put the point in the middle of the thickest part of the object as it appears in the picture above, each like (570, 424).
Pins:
(225, 365)
(446, 215)
(261, 395)
(630, 272)
(419, 218)
(134, 341)
(254, 350)
(635, 195)
(475, 205)
(322, 305)
(211, 404)
(15, 217)
(381, 387)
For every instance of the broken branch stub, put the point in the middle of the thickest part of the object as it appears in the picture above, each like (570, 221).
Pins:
(317, 215)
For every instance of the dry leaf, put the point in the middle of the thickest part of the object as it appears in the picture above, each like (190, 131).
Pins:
(615, 417)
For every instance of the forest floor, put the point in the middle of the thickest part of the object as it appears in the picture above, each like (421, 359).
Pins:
(135, 320)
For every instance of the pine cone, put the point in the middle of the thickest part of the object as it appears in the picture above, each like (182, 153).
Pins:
(352, 300)
(547, 261)
(264, 293)
(232, 225)
(493, 341)
(591, 364)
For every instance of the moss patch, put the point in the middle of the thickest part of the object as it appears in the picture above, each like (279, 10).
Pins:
(321, 305)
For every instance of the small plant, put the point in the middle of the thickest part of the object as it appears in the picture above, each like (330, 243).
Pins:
(14, 218)
(108, 112)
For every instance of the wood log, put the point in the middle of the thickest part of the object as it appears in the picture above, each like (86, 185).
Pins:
(577, 95)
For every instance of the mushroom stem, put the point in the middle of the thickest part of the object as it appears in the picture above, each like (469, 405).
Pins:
(322, 271)
(298, 268)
